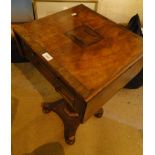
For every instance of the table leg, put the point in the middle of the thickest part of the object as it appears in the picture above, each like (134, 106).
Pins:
(71, 119)
(99, 113)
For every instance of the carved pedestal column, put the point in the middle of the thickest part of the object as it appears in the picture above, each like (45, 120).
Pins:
(70, 118)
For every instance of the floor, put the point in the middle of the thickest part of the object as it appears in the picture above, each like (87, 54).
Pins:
(118, 132)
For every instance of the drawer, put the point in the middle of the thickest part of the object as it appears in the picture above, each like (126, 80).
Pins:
(63, 89)
(56, 81)
(43, 9)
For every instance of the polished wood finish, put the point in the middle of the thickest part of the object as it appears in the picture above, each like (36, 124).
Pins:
(101, 98)
(92, 57)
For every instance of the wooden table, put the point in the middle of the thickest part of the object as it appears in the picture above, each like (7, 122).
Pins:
(85, 56)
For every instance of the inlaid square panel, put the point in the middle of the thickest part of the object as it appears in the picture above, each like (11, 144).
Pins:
(84, 36)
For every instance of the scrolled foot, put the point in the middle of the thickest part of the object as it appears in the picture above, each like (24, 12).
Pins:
(99, 113)
(70, 140)
(46, 108)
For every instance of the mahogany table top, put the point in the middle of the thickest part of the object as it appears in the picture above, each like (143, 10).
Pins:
(88, 50)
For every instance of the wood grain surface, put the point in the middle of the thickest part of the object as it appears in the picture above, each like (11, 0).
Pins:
(89, 51)
(92, 66)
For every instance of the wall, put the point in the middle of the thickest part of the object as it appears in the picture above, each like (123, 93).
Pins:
(120, 11)
(21, 10)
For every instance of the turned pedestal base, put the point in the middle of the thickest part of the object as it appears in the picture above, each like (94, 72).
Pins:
(70, 118)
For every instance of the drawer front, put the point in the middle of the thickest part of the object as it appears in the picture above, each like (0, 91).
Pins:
(58, 84)
(56, 81)
(43, 9)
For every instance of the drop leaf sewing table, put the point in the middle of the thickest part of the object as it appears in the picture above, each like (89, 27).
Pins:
(85, 56)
